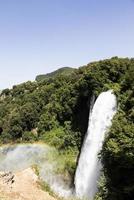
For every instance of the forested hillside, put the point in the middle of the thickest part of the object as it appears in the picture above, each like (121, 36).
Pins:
(62, 71)
(55, 110)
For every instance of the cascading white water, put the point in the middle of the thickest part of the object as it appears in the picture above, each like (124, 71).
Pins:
(89, 165)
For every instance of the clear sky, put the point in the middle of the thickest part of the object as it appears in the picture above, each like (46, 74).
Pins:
(39, 36)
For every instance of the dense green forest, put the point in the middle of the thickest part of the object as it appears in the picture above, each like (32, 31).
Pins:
(55, 110)
(62, 71)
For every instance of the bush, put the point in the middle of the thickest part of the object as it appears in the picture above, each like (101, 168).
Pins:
(28, 136)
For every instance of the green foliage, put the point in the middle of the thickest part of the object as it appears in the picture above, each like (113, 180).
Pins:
(103, 191)
(29, 136)
(44, 186)
(47, 122)
(57, 106)
(62, 71)
(68, 160)
(5, 92)
(55, 137)
(5, 138)
(28, 116)
(65, 162)
(62, 137)
(118, 150)
(16, 131)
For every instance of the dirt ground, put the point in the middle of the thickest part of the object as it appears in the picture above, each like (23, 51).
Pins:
(22, 185)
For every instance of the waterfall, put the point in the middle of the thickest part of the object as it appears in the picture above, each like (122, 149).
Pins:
(89, 165)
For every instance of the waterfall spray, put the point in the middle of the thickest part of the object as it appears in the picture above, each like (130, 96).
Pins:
(18, 157)
(89, 166)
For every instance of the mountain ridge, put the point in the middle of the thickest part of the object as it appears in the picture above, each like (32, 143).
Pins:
(61, 71)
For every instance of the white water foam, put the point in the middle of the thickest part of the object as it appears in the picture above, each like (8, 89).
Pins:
(89, 166)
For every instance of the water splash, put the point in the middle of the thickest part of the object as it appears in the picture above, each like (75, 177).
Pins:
(89, 166)
(19, 157)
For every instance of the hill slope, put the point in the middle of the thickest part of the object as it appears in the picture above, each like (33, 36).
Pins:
(56, 111)
(62, 71)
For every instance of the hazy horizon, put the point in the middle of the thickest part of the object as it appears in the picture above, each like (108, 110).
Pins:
(38, 37)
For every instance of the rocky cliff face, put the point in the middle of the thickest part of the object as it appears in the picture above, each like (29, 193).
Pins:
(22, 185)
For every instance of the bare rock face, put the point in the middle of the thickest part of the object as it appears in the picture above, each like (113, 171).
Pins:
(22, 185)
(7, 177)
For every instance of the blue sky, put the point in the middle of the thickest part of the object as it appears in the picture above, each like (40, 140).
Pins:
(39, 36)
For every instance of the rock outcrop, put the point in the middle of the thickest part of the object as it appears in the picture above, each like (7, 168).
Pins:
(21, 185)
